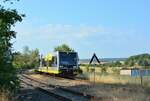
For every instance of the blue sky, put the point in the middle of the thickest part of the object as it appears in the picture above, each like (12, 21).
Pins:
(110, 28)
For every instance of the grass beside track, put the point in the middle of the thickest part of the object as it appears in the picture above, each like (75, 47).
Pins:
(113, 78)
(6, 96)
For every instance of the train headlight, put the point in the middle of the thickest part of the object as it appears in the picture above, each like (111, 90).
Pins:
(74, 67)
(61, 66)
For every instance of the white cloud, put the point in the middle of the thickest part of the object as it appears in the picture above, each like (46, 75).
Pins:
(81, 31)
(71, 34)
(64, 31)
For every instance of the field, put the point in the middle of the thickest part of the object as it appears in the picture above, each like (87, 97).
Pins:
(110, 84)
(111, 76)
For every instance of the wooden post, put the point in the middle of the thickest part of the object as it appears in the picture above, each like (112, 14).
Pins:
(94, 76)
(141, 76)
(94, 73)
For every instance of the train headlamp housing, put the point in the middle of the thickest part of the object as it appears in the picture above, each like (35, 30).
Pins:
(61, 66)
(74, 67)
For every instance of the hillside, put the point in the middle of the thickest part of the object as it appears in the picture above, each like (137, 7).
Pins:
(141, 60)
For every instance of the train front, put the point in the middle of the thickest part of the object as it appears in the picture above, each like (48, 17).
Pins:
(68, 63)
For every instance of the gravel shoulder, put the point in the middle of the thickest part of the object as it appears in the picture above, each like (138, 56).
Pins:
(28, 93)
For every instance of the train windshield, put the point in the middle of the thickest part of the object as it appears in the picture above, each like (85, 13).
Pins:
(68, 58)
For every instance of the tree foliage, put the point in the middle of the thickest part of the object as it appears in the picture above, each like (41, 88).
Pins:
(140, 60)
(116, 64)
(8, 18)
(27, 59)
(113, 64)
(63, 48)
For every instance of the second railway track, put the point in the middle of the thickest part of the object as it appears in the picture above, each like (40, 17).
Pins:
(56, 91)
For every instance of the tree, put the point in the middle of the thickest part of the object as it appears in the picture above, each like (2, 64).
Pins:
(8, 18)
(63, 48)
(117, 64)
(141, 60)
(27, 59)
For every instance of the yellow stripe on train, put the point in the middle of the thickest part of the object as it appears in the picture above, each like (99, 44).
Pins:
(49, 71)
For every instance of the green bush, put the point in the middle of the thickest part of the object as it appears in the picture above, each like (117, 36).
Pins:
(79, 71)
(116, 71)
(104, 70)
(26, 60)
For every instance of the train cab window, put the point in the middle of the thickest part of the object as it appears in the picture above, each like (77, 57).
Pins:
(54, 61)
(44, 63)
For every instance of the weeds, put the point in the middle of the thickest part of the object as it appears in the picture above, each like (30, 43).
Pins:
(5, 95)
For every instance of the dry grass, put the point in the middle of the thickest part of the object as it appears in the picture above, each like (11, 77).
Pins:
(120, 92)
(110, 70)
(115, 87)
(5, 96)
(112, 78)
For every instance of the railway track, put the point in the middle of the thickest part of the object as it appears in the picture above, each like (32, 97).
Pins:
(29, 93)
(43, 90)
(56, 91)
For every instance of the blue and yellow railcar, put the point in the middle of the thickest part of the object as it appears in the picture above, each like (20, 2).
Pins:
(64, 63)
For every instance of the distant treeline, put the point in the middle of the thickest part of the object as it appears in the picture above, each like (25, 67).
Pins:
(141, 60)
(104, 60)
(30, 59)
